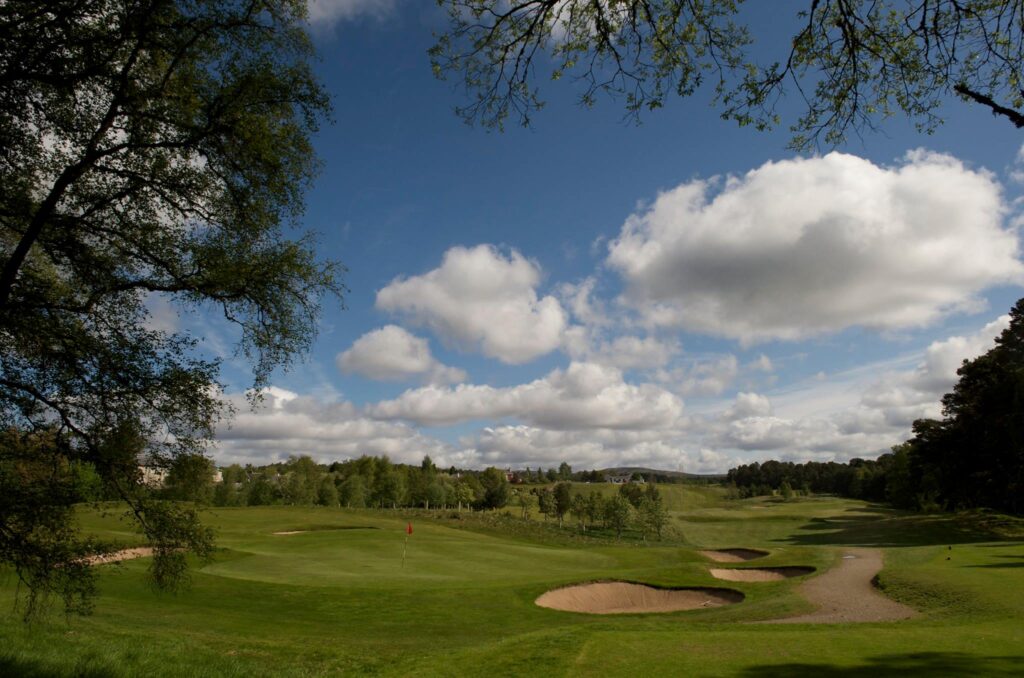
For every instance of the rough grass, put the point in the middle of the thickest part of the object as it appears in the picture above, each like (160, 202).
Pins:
(337, 600)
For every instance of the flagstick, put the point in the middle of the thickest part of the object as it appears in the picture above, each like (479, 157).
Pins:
(403, 550)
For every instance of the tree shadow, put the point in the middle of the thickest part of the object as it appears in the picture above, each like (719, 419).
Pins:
(877, 526)
(1000, 565)
(915, 664)
(26, 668)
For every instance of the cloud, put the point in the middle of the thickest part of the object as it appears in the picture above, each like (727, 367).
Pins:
(479, 299)
(393, 354)
(902, 397)
(813, 245)
(520, 446)
(583, 396)
(287, 424)
(330, 12)
(701, 378)
(625, 352)
(749, 405)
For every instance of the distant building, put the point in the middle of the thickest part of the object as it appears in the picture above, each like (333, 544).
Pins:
(618, 478)
(153, 476)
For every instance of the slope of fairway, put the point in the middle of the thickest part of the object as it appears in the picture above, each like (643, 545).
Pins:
(373, 557)
(334, 599)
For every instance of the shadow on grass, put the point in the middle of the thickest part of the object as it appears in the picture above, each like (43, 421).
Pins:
(999, 566)
(25, 668)
(916, 664)
(881, 526)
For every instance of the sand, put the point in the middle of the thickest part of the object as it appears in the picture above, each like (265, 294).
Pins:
(118, 556)
(617, 597)
(846, 593)
(733, 555)
(760, 573)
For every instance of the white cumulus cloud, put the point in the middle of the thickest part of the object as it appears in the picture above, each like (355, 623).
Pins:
(480, 299)
(902, 397)
(390, 353)
(582, 396)
(813, 245)
(287, 424)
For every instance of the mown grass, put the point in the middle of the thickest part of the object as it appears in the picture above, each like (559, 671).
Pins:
(336, 600)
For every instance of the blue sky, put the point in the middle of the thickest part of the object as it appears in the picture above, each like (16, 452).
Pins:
(682, 294)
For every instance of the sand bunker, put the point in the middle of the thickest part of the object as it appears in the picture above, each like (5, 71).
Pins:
(325, 528)
(118, 556)
(619, 597)
(733, 555)
(760, 573)
(846, 593)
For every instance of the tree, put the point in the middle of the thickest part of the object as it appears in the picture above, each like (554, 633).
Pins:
(563, 500)
(546, 502)
(595, 506)
(303, 479)
(852, 62)
(652, 514)
(786, 490)
(191, 479)
(327, 492)
(463, 493)
(353, 492)
(974, 456)
(495, 487)
(153, 150)
(564, 471)
(653, 517)
(617, 513)
(632, 493)
(580, 509)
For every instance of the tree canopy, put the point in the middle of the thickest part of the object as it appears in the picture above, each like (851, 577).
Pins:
(149, 150)
(850, 62)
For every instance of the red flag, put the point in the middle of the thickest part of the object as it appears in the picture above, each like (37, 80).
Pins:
(408, 528)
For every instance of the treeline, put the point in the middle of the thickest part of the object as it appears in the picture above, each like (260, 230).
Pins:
(971, 458)
(376, 482)
(879, 480)
(358, 483)
(634, 506)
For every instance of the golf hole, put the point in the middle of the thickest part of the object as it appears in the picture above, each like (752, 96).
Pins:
(620, 597)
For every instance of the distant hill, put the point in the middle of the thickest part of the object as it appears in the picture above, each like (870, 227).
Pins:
(670, 474)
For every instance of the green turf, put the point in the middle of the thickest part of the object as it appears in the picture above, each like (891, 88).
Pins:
(337, 601)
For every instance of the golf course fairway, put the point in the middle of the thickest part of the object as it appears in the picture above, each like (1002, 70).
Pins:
(329, 594)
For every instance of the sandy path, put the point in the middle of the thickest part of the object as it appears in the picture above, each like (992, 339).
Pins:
(845, 593)
(118, 556)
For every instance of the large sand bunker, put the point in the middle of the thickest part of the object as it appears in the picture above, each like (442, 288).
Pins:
(620, 597)
(733, 555)
(760, 573)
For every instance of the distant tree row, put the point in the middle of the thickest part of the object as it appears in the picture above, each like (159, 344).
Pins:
(634, 506)
(358, 483)
(971, 458)
(857, 479)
